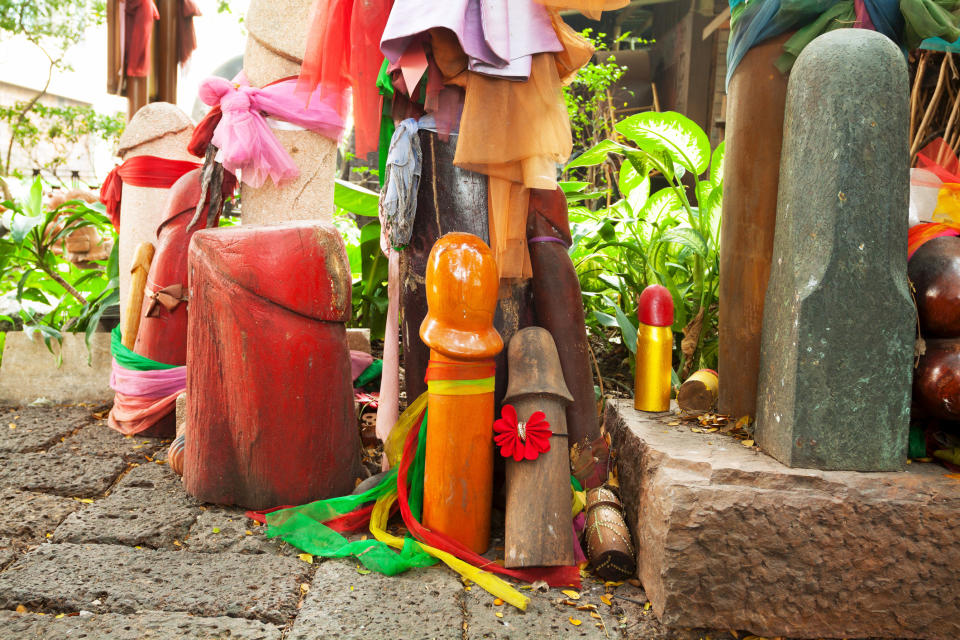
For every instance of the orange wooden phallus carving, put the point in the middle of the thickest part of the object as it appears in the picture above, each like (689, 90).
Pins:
(461, 282)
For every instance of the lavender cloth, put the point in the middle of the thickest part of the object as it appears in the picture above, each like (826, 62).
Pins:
(498, 39)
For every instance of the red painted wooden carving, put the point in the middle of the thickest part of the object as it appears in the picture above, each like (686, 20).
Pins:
(269, 397)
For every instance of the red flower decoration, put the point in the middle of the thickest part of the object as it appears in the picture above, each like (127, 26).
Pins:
(521, 440)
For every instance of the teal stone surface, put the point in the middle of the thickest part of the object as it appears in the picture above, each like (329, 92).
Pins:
(839, 321)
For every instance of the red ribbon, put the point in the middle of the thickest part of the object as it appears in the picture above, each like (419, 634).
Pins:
(568, 576)
(141, 171)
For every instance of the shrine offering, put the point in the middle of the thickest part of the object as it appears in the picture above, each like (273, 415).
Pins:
(142, 257)
(608, 541)
(154, 151)
(559, 307)
(461, 283)
(751, 172)
(834, 390)
(654, 350)
(269, 396)
(532, 435)
(698, 393)
(934, 270)
(163, 324)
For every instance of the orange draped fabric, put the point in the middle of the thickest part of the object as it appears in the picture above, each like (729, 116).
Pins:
(589, 8)
(133, 414)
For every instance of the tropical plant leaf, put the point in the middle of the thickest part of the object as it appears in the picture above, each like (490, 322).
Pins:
(716, 164)
(671, 132)
(594, 155)
(660, 205)
(627, 330)
(355, 199)
(605, 319)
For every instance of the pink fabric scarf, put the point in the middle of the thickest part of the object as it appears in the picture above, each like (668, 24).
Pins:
(243, 135)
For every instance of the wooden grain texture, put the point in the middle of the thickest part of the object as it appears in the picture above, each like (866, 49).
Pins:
(269, 401)
(538, 525)
(559, 309)
(142, 257)
(751, 174)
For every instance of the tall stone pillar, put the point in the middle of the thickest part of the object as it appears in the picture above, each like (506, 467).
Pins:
(276, 45)
(158, 129)
(838, 325)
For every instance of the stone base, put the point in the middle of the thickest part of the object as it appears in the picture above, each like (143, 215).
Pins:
(729, 538)
(29, 371)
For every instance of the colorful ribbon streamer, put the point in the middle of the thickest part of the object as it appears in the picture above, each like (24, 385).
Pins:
(140, 171)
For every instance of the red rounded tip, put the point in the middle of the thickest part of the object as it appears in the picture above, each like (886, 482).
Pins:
(655, 307)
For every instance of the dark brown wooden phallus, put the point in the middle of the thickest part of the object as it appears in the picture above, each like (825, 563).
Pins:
(559, 309)
(936, 380)
(934, 270)
(450, 199)
(538, 525)
(751, 175)
(608, 541)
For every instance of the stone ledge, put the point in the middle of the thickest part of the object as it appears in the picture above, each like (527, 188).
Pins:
(729, 538)
(29, 371)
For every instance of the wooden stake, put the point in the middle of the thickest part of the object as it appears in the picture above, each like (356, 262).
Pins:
(931, 107)
(142, 257)
(915, 94)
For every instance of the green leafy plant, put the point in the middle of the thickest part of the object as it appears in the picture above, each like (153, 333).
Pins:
(667, 235)
(358, 223)
(49, 294)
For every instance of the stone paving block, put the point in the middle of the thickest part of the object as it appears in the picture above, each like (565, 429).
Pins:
(544, 617)
(732, 539)
(105, 578)
(60, 473)
(232, 535)
(345, 605)
(98, 439)
(139, 626)
(148, 507)
(29, 516)
(7, 552)
(37, 428)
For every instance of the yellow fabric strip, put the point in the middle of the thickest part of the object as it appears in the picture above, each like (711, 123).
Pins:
(484, 579)
(461, 387)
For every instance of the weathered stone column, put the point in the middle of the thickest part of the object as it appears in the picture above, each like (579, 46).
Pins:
(834, 386)
(275, 49)
(158, 129)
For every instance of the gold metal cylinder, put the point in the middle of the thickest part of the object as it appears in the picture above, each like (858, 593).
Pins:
(651, 390)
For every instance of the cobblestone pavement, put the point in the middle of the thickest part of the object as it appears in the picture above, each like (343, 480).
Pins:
(99, 540)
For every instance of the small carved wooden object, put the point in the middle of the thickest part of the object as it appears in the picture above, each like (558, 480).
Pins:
(142, 257)
(698, 393)
(538, 523)
(609, 546)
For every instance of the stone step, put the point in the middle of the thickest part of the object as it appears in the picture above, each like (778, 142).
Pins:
(729, 538)
(103, 578)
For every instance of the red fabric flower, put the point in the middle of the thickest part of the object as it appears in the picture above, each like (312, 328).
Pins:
(521, 440)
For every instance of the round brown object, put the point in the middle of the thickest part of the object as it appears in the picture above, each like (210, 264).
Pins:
(936, 380)
(935, 272)
(609, 546)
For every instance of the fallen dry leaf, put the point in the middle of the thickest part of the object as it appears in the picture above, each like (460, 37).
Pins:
(587, 607)
(605, 599)
(21, 608)
(304, 587)
(497, 602)
(575, 622)
(306, 557)
(570, 593)
(594, 614)
(747, 443)
(499, 614)
(541, 585)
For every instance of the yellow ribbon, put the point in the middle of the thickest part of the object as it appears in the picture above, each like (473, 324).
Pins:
(484, 579)
(460, 387)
